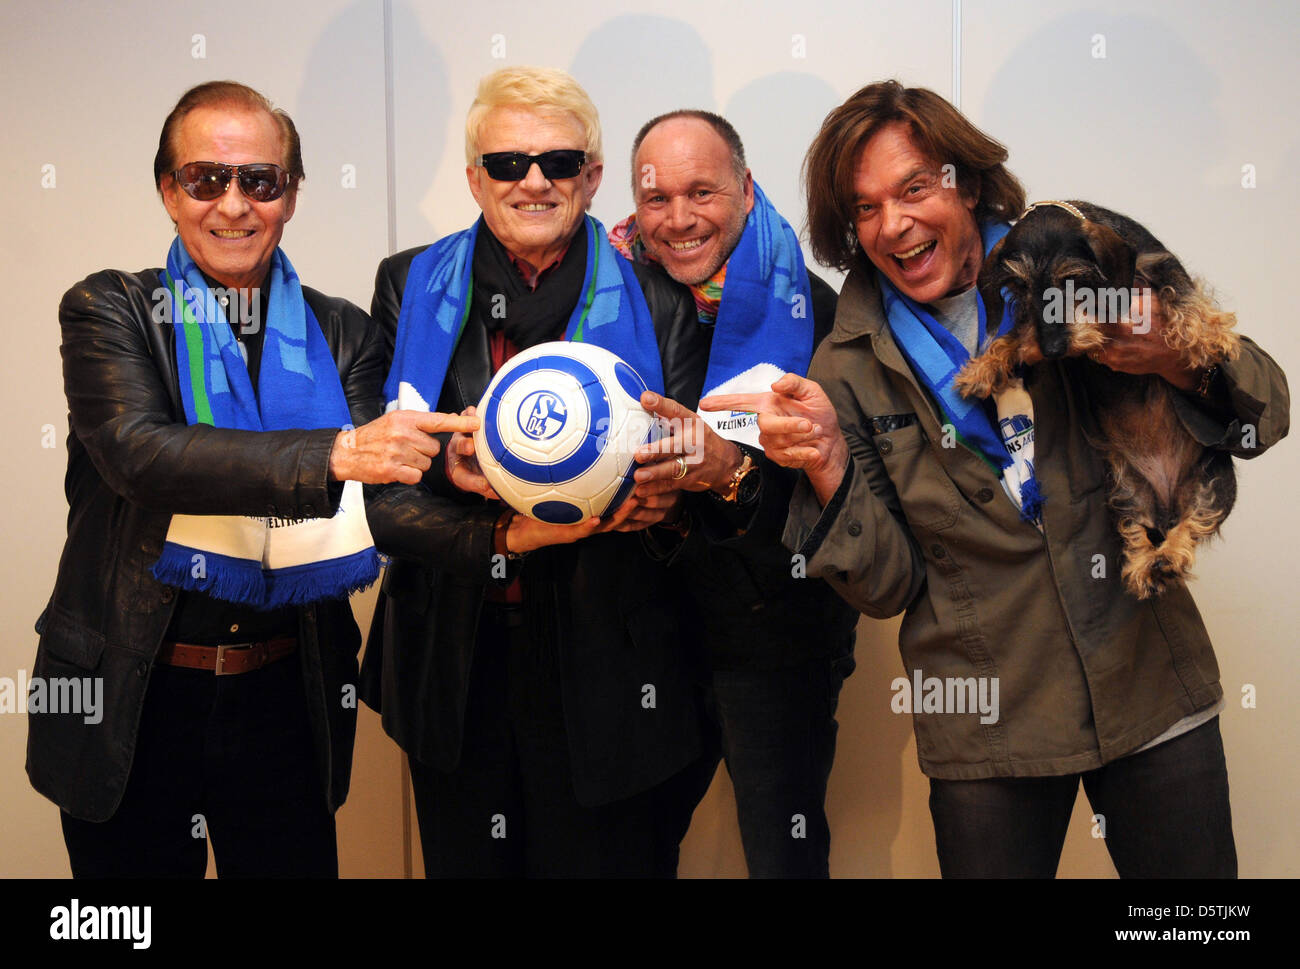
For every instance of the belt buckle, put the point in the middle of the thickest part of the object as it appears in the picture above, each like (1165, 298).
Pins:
(221, 657)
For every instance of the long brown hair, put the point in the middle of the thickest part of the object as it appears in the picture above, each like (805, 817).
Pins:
(939, 130)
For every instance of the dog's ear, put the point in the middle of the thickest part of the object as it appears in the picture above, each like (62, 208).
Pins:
(993, 276)
(992, 270)
(1157, 268)
(995, 254)
(993, 307)
(1116, 258)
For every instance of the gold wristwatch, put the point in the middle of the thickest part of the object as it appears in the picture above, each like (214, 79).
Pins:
(742, 483)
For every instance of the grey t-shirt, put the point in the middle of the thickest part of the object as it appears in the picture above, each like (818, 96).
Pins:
(960, 316)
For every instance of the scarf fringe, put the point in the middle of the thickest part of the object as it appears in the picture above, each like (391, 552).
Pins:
(229, 579)
(1031, 501)
(335, 579)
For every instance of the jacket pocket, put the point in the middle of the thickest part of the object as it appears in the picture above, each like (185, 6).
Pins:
(929, 498)
(69, 641)
(890, 422)
(409, 584)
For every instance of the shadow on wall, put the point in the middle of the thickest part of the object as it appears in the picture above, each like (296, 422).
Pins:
(1110, 94)
(337, 67)
(634, 68)
(777, 117)
(421, 115)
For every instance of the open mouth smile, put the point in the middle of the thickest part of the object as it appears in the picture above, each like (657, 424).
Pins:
(916, 257)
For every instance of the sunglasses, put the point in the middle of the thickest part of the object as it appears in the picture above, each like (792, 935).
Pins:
(205, 181)
(511, 166)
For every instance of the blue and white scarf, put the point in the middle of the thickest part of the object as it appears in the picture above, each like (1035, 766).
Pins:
(611, 312)
(936, 356)
(764, 326)
(262, 562)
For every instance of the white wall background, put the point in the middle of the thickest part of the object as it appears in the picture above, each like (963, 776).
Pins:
(1159, 127)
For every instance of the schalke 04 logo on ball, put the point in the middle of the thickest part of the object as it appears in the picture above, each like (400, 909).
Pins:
(541, 415)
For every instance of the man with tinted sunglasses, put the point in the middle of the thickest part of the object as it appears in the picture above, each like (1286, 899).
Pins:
(513, 166)
(216, 526)
(536, 674)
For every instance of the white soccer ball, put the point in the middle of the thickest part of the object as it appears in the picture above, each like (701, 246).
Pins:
(559, 424)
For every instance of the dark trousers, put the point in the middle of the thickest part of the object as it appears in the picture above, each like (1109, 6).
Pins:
(778, 738)
(1165, 815)
(509, 809)
(227, 757)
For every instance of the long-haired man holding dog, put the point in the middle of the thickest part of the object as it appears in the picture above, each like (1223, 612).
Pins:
(987, 524)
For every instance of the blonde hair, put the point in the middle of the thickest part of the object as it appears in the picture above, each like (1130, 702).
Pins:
(540, 88)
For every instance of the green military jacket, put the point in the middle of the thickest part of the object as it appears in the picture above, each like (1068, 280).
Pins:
(1085, 673)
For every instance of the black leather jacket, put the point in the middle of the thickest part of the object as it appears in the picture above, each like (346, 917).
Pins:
(758, 608)
(132, 463)
(619, 619)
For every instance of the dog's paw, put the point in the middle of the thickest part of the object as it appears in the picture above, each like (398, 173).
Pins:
(976, 379)
(1155, 575)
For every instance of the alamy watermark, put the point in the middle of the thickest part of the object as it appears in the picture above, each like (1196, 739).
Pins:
(82, 695)
(1062, 306)
(75, 922)
(213, 303)
(949, 694)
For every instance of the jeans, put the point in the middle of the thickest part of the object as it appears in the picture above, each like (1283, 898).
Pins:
(1165, 815)
(778, 739)
(229, 757)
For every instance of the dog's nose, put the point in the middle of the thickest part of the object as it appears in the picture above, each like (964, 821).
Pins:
(1053, 344)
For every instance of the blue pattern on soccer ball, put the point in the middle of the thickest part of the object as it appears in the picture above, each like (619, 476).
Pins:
(560, 422)
(630, 380)
(558, 512)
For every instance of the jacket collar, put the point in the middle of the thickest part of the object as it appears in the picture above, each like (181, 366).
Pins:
(860, 312)
(864, 313)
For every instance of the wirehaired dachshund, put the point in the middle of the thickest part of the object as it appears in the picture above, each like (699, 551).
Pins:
(1070, 269)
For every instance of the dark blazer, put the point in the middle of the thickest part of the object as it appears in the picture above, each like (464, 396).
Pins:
(618, 619)
(759, 609)
(132, 463)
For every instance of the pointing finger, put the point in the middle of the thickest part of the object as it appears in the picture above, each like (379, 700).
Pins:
(433, 422)
(792, 385)
(751, 403)
(664, 406)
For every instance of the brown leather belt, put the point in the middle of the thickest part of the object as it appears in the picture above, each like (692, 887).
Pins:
(229, 659)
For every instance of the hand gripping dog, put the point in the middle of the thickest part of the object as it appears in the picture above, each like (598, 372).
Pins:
(1069, 269)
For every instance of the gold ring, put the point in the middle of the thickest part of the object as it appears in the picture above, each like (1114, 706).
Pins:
(681, 469)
